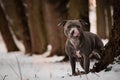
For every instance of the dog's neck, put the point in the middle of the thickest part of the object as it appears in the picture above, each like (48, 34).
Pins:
(76, 42)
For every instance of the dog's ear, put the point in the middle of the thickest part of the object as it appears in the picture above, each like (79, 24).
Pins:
(84, 23)
(62, 23)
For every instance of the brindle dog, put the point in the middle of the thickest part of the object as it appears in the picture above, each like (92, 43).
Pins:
(80, 44)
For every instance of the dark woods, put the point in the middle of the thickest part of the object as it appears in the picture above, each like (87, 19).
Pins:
(112, 48)
(34, 22)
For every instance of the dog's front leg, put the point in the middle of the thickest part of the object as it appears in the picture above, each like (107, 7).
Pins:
(73, 65)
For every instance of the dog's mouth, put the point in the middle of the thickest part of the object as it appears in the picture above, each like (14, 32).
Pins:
(74, 32)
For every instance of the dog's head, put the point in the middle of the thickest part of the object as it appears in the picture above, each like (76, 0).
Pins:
(72, 28)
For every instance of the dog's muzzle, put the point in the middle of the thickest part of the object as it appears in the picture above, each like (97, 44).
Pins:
(74, 32)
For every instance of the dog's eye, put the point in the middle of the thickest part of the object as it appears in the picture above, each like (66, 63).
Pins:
(69, 27)
(77, 26)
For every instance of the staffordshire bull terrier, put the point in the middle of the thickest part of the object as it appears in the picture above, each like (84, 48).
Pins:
(80, 44)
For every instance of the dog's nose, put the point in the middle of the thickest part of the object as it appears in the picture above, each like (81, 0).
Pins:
(74, 32)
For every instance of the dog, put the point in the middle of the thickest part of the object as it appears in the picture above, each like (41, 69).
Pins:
(80, 44)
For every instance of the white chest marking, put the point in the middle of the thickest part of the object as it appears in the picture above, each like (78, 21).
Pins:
(78, 54)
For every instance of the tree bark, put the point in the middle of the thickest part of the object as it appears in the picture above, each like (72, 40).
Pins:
(16, 12)
(112, 48)
(109, 22)
(36, 25)
(10, 10)
(54, 12)
(5, 31)
(24, 29)
(101, 21)
(79, 9)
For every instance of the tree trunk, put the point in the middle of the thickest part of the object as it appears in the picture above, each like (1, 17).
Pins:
(101, 21)
(36, 25)
(108, 17)
(79, 9)
(24, 29)
(10, 10)
(63, 15)
(112, 48)
(5, 31)
(54, 12)
(16, 12)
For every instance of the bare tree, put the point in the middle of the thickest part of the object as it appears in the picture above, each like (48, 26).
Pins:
(112, 48)
(104, 19)
(108, 12)
(36, 25)
(79, 9)
(16, 12)
(10, 10)
(54, 12)
(24, 29)
(5, 31)
(101, 25)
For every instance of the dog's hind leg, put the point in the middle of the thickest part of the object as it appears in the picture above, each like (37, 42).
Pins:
(86, 63)
(81, 62)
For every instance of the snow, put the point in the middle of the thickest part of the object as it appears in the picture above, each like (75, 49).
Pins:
(40, 67)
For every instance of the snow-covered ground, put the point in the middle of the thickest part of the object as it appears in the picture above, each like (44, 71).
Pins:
(17, 66)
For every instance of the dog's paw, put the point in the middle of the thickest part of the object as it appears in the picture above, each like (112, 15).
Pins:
(76, 74)
(82, 72)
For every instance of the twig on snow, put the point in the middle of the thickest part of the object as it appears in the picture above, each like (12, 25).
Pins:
(19, 68)
(3, 78)
(12, 68)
